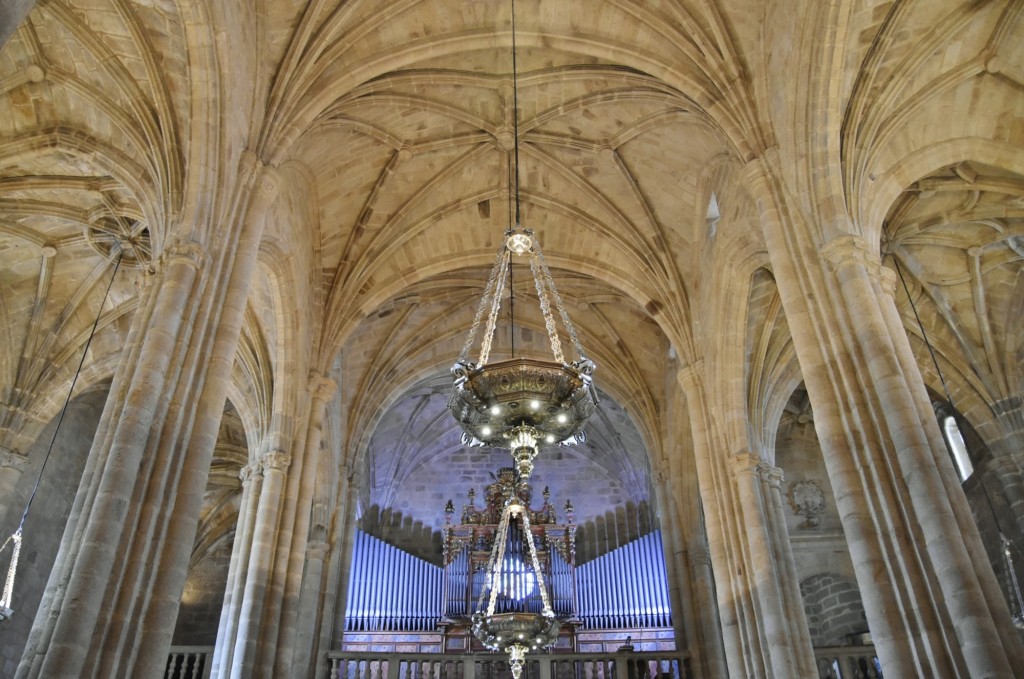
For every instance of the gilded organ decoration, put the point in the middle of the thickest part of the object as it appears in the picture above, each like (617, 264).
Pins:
(467, 548)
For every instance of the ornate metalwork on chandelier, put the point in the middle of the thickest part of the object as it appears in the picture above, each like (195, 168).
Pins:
(511, 631)
(522, 403)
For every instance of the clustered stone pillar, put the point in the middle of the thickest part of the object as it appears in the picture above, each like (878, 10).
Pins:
(112, 599)
(260, 625)
(764, 636)
(691, 583)
(928, 604)
(227, 631)
(260, 561)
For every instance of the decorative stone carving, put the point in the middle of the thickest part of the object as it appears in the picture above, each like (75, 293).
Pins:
(276, 460)
(808, 502)
(13, 459)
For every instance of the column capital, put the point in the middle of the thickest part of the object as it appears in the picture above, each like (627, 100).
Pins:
(698, 555)
(689, 376)
(276, 460)
(250, 471)
(887, 278)
(317, 550)
(845, 251)
(744, 462)
(321, 386)
(13, 459)
(187, 252)
(771, 474)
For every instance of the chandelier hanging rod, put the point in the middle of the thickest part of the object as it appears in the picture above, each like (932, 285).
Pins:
(515, 112)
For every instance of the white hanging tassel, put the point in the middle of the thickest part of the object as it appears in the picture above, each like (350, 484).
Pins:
(5, 602)
(1016, 603)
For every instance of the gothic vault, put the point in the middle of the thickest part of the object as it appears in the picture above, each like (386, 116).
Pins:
(790, 233)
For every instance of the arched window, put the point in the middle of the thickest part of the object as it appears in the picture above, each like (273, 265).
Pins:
(955, 441)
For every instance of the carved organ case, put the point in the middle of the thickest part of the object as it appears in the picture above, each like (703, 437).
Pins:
(467, 550)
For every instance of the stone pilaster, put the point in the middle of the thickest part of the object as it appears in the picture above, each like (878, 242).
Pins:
(691, 583)
(768, 564)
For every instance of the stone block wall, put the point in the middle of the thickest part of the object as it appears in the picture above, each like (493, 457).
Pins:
(834, 609)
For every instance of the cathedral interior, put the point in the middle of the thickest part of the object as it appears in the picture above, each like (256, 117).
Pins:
(243, 241)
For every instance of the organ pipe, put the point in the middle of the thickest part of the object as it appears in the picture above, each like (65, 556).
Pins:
(625, 588)
(390, 589)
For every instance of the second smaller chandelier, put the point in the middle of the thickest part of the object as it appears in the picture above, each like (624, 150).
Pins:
(522, 403)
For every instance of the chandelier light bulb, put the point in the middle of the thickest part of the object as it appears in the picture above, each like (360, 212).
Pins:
(562, 419)
(534, 405)
(495, 410)
(486, 431)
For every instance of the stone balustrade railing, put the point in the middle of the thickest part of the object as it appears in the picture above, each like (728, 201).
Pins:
(189, 662)
(620, 665)
(834, 662)
(847, 662)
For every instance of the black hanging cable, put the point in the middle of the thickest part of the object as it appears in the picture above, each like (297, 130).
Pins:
(515, 147)
(515, 109)
(74, 381)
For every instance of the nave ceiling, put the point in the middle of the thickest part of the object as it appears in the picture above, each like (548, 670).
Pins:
(389, 128)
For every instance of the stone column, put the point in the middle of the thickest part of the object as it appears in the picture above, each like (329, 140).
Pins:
(685, 622)
(781, 622)
(12, 467)
(692, 582)
(1007, 460)
(291, 552)
(796, 616)
(111, 603)
(343, 527)
(261, 559)
(702, 581)
(74, 604)
(741, 643)
(948, 476)
(924, 601)
(227, 629)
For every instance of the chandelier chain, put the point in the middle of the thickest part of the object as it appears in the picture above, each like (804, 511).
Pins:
(560, 305)
(482, 306)
(492, 318)
(5, 601)
(497, 557)
(545, 308)
(536, 564)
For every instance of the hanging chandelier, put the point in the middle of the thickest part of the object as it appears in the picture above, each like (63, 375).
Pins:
(506, 624)
(521, 403)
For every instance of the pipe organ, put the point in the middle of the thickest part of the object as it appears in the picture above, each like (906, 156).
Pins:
(391, 590)
(467, 549)
(625, 588)
(401, 601)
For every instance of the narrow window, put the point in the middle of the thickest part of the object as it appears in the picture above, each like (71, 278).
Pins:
(955, 440)
(713, 216)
